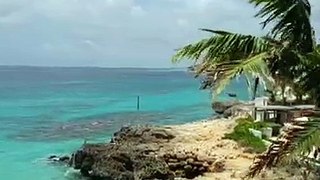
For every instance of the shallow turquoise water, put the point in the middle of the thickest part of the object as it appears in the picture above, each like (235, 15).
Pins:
(47, 111)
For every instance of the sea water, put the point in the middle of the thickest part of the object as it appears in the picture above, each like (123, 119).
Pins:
(45, 111)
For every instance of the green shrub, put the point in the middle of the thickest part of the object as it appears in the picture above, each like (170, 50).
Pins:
(244, 137)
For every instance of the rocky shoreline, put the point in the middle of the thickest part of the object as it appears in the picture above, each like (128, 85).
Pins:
(141, 152)
(190, 151)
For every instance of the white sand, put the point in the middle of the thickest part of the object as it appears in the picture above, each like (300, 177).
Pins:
(206, 138)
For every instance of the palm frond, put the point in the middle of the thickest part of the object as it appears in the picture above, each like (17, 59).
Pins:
(308, 139)
(226, 55)
(220, 32)
(298, 137)
(253, 66)
(290, 20)
(223, 45)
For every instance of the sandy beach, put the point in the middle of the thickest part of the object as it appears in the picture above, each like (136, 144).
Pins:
(194, 150)
(206, 139)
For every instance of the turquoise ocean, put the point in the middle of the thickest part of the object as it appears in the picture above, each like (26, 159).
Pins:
(46, 110)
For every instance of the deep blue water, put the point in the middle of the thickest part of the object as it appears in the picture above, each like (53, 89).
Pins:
(47, 111)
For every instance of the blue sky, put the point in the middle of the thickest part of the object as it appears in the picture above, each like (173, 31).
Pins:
(115, 33)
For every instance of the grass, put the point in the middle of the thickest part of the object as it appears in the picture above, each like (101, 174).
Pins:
(245, 138)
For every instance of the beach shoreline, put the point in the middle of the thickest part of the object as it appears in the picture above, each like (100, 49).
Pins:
(199, 144)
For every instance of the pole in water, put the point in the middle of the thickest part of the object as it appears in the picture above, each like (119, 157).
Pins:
(138, 103)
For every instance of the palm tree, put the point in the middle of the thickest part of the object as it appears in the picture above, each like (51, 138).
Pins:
(310, 81)
(227, 55)
(287, 55)
(299, 138)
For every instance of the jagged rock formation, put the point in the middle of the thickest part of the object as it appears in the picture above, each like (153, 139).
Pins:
(139, 153)
(59, 159)
(221, 106)
(231, 108)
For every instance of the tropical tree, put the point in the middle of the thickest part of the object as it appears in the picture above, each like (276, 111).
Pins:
(310, 78)
(287, 55)
(276, 56)
(226, 55)
(300, 138)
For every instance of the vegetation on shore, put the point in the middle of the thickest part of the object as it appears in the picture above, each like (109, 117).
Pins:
(293, 146)
(242, 135)
(288, 56)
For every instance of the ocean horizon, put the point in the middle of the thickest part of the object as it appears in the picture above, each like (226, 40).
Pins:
(52, 110)
(184, 68)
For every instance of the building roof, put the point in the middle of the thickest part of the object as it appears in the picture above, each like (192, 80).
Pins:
(274, 107)
(284, 108)
(304, 106)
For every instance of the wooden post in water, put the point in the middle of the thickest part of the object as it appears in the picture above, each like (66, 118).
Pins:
(138, 103)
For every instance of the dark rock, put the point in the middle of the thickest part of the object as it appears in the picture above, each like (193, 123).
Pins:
(232, 94)
(52, 157)
(174, 165)
(64, 159)
(153, 168)
(141, 135)
(220, 107)
(134, 153)
(119, 162)
(128, 156)
(197, 163)
(179, 173)
(188, 167)
(237, 110)
(211, 160)
(189, 172)
(60, 159)
(228, 112)
(219, 166)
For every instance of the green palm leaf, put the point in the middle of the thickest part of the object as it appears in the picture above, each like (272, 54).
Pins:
(226, 55)
(290, 20)
(298, 137)
(253, 66)
(223, 46)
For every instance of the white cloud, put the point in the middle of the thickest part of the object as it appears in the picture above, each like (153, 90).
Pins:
(114, 32)
(137, 10)
(182, 22)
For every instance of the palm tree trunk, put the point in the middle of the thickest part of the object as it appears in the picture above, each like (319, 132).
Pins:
(284, 101)
(255, 88)
(299, 98)
(317, 101)
(316, 97)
